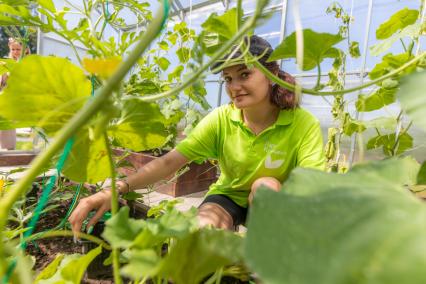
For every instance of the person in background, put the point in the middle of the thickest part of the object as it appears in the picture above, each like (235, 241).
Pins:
(257, 140)
(8, 137)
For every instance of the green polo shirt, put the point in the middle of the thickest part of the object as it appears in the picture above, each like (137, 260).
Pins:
(294, 140)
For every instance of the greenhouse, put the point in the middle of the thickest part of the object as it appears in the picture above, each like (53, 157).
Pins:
(213, 141)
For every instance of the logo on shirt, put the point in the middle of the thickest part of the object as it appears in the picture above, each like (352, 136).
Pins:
(269, 162)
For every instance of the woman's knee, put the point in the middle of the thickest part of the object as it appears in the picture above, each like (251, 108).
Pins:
(269, 182)
(212, 214)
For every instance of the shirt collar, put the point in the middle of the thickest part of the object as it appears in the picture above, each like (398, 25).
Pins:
(284, 118)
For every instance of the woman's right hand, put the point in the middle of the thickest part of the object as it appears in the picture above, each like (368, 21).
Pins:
(100, 201)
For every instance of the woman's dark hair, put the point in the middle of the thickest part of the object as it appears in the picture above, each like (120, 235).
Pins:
(281, 97)
(258, 46)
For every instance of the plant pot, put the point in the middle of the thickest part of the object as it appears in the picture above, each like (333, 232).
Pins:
(198, 178)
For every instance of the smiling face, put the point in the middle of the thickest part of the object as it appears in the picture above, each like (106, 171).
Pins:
(15, 50)
(247, 88)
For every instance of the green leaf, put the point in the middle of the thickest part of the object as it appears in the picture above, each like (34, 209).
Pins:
(316, 47)
(421, 176)
(412, 98)
(175, 74)
(396, 22)
(142, 263)
(88, 160)
(391, 173)
(211, 42)
(162, 62)
(388, 123)
(203, 252)
(353, 126)
(74, 271)
(172, 108)
(390, 83)
(350, 228)
(183, 54)
(50, 270)
(16, 14)
(6, 65)
(72, 268)
(44, 92)
(391, 62)
(197, 93)
(171, 224)
(388, 142)
(354, 49)
(225, 26)
(412, 31)
(7, 124)
(16, 2)
(140, 127)
(47, 4)
(163, 45)
(120, 231)
(381, 97)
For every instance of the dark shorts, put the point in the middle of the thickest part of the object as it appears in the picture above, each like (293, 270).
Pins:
(237, 212)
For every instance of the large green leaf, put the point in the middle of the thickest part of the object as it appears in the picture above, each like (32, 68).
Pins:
(225, 25)
(396, 22)
(412, 98)
(412, 31)
(120, 230)
(329, 228)
(316, 47)
(44, 92)
(201, 253)
(140, 127)
(71, 268)
(378, 99)
(7, 124)
(391, 174)
(88, 160)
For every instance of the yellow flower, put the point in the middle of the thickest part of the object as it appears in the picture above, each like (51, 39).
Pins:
(1, 186)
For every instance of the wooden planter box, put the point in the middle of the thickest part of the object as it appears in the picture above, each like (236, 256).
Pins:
(16, 158)
(197, 178)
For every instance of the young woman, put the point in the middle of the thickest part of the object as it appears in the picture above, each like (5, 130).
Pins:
(8, 137)
(257, 140)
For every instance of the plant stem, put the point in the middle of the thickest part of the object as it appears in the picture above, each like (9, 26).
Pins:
(291, 87)
(319, 76)
(114, 209)
(65, 233)
(76, 122)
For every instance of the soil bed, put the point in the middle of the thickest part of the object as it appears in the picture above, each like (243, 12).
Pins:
(46, 250)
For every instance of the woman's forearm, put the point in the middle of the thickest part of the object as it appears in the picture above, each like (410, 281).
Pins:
(156, 170)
